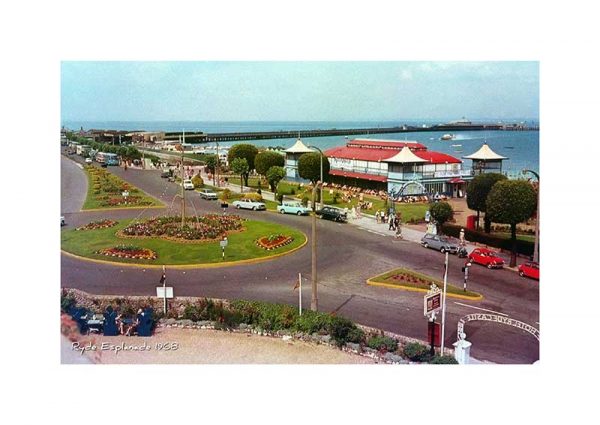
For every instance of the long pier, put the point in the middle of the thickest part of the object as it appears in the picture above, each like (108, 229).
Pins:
(199, 137)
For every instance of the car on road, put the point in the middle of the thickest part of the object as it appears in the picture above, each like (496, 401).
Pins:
(88, 160)
(208, 194)
(165, 174)
(486, 257)
(292, 208)
(439, 243)
(530, 269)
(249, 204)
(335, 214)
(188, 185)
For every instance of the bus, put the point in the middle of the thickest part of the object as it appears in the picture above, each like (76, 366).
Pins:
(107, 158)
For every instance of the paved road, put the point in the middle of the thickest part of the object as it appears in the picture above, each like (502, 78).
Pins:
(347, 255)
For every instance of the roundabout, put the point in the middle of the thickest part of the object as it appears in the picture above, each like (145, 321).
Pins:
(166, 242)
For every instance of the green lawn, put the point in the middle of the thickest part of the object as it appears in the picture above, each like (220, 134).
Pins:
(241, 245)
(103, 184)
(528, 238)
(388, 278)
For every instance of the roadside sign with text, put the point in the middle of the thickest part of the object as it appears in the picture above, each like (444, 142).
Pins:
(160, 292)
(432, 303)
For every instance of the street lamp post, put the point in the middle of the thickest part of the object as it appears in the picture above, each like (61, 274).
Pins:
(321, 158)
(536, 247)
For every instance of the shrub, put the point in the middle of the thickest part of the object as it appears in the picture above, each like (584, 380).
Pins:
(311, 322)
(226, 195)
(523, 247)
(197, 181)
(343, 330)
(292, 191)
(336, 197)
(437, 359)
(383, 343)
(67, 301)
(416, 352)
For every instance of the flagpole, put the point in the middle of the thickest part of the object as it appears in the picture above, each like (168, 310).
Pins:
(300, 294)
(444, 302)
(164, 291)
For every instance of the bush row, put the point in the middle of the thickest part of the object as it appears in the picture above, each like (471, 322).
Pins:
(523, 247)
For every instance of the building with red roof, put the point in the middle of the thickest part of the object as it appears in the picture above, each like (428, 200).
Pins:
(399, 167)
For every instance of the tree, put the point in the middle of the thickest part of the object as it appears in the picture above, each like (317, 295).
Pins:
(240, 166)
(274, 175)
(309, 166)
(511, 202)
(477, 193)
(267, 159)
(243, 151)
(211, 163)
(441, 213)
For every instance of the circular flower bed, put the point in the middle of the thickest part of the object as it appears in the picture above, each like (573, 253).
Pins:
(129, 251)
(99, 224)
(273, 241)
(200, 228)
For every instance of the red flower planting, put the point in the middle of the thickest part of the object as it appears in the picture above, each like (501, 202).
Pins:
(129, 251)
(273, 241)
(100, 224)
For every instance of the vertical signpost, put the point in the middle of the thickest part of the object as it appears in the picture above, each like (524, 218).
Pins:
(432, 302)
(444, 302)
(164, 291)
(223, 244)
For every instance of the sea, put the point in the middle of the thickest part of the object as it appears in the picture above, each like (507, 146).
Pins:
(520, 147)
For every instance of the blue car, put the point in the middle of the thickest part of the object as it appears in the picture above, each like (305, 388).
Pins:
(293, 208)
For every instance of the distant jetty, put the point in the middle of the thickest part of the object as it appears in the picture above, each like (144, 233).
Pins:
(201, 137)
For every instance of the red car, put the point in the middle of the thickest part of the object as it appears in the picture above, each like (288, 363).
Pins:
(486, 258)
(530, 269)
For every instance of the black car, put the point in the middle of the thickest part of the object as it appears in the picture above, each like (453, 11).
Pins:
(335, 214)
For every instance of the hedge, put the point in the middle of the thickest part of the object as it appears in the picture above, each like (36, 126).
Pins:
(523, 247)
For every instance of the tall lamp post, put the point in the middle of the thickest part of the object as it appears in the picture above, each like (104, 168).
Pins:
(321, 158)
(536, 248)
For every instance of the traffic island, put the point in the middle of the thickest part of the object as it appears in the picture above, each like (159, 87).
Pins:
(198, 244)
(412, 281)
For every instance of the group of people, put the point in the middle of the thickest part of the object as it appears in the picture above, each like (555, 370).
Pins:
(128, 329)
(393, 220)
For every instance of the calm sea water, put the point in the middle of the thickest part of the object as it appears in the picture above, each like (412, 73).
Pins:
(521, 147)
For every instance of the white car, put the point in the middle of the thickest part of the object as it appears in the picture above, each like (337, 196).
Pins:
(208, 194)
(249, 204)
(188, 185)
(88, 160)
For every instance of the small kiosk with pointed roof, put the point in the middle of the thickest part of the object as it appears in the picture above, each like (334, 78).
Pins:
(485, 160)
(292, 155)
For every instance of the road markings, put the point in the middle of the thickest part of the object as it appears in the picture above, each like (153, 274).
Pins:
(479, 308)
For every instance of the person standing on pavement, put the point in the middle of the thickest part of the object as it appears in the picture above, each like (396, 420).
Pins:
(377, 219)
(461, 237)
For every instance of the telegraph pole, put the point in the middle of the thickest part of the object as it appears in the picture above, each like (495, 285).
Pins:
(314, 302)
(182, 188)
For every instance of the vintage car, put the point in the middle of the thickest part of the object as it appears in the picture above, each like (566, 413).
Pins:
(249, 204)
(208, 194)
(439, 243)
(486, 258)
(293, 208)
(335, 214)
(530, 269)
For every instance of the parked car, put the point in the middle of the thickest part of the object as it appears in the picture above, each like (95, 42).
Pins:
(208, 194)
(188, 185)
(166, 174)
(530, 269)
(249, 204)
(440, 243)
(335, 214)
(293, 208)
(486, 258)
(62, 220)
(88, 160)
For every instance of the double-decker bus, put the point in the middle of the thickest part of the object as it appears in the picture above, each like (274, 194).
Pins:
(107, 158)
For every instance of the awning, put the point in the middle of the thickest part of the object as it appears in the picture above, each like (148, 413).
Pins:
(456, 180)
(363, 176)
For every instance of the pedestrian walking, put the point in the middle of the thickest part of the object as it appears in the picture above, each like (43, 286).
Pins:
(377, 217)
(391, 223)
(461, 237)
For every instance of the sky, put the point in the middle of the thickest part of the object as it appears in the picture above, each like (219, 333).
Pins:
(298, 91)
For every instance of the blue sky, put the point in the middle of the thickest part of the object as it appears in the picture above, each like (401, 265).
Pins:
(298, 91)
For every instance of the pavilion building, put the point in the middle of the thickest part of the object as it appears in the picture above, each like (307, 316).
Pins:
(292, 155)
(399, 168)
(485, 160)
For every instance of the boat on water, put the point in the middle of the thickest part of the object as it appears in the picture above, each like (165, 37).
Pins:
(509, 147)
(457, 146)
(447, 137)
